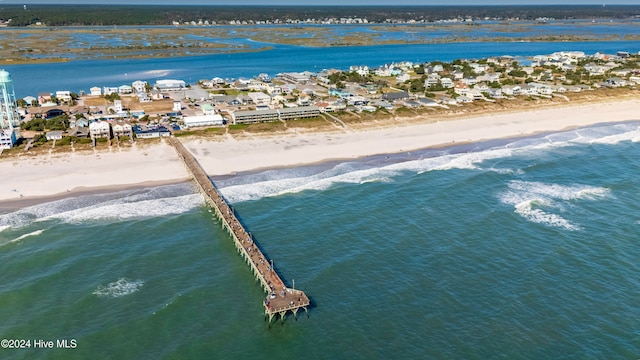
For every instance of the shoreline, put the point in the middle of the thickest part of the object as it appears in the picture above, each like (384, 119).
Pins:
(7, 206)
(52, 177)
(261, 153)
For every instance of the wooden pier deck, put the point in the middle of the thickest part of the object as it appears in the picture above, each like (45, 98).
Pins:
(280, 299)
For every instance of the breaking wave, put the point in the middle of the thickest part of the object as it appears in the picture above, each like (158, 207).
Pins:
(34, 233)
(540, 202)
(22, 237)
(123, 205)
(116, 289)
(477, 157)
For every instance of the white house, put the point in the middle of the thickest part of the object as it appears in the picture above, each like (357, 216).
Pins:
(100, 129)
(117, 106)
(403, 77)
(616, 82)
(432, 79)
(478, 68)
(95, 91)
(446, 82)
(511, 90)
(207, 109)
(495, 92)
(528, 90)
(461, 89)
(139, 86)
(125, 89)
(108, 90)
(122, 129)
(482, 87)
(63, 95)
(469, 80)
(475, 94)
(260, 98)
(464, 99)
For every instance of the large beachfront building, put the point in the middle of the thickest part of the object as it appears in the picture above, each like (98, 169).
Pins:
(254, 116)
(170, 85)
(203, 120)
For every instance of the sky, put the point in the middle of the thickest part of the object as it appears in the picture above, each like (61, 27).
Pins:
(330, 2)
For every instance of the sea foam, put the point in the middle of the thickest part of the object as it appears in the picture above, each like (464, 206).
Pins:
(121, 287)
(537, 201)
(476, 157)
(123, 205)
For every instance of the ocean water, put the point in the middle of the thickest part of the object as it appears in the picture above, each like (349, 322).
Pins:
(511, 249)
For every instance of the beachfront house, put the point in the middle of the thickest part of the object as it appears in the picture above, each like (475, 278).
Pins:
(511, 90)
(495, 93)
(615, 82)
(464, 99)
(123, 129)
(150, 131)
(53, 135)
(425, 101)
(100, 129)
(79, 132)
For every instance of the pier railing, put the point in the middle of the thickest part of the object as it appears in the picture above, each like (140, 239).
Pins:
(280, 299)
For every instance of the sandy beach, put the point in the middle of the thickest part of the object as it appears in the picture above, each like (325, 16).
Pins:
(32, 179)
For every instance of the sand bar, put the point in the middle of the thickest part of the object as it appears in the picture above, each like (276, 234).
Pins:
(28, 178)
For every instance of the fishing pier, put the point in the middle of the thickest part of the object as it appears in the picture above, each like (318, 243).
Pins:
(280, 299)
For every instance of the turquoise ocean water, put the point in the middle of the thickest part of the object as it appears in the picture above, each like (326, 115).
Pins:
(511, 249)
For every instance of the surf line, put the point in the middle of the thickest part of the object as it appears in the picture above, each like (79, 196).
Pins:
(280, 298)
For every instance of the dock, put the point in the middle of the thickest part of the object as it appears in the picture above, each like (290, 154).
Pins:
(280, 299)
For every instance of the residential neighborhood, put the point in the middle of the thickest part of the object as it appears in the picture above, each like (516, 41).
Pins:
(111, 114)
